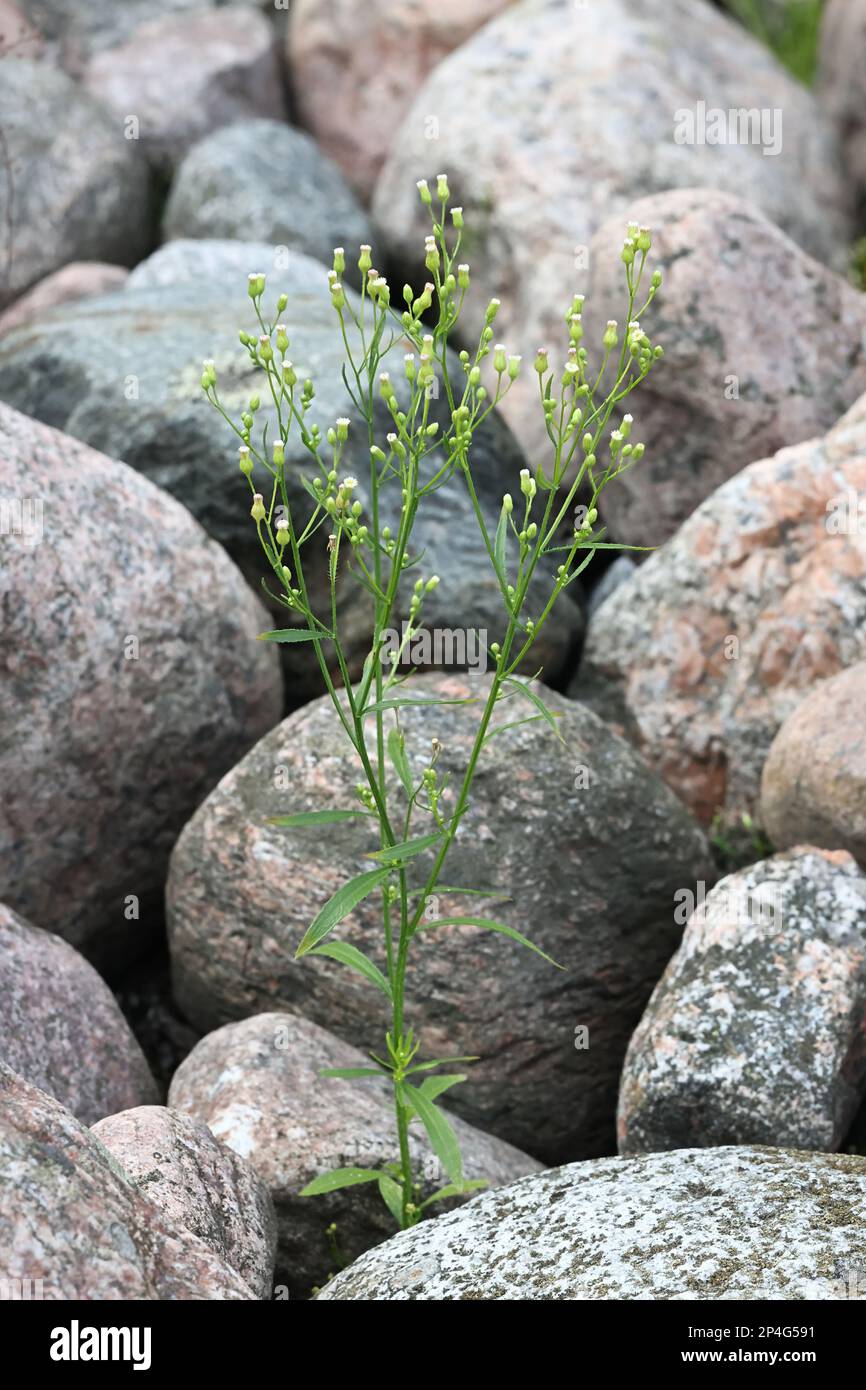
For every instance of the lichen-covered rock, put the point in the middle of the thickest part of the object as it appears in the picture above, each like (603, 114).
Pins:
(198, 1184)
(746, 319)
(72, 188)
(78, 280)
(813, 787)
(569, 112)
(60, 1027)
(126, 377)
(355, 69)
(258, 1086)
(130, 679)
(265, 181)
(755, 1033)
(841, 82)
(72, 1224)
(223, 66)
(703, 1224)
(588, 845)
(714, 642)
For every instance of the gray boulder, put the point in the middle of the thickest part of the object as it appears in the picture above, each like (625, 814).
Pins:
(698, 1224)
(588, 845)
(72, 188)
(753, 1035)
(265, 181)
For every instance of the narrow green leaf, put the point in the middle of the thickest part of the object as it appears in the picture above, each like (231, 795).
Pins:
(474, 892)
(512, 724)
(392, 1197)
(434, 1086)
(501, 927)
(293, 634)
(499, 544)
(439, 1129)
(407, 849)
(350, 1073)
(440, 1062)
(317, 818)
(453, 1190)
(546, 714)
(397, 754)
(344, 901)
(349, 955)
(339, 1177)
(401, 704)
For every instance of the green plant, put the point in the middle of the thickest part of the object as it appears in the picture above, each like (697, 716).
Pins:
(418, 459)
(791, 28)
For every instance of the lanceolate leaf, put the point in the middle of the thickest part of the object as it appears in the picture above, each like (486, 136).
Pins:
(433, 1086)
(392, 1197)
(499, 544)
(397, 754)
(453, 1190)
(356, 960)
(400, 704)
(351, 1073)
(293, 634)
(539, 704)
(395, 854)
(339, 1177)
(344, 901)
(439, 1131)
(318, 818)
(501, 927)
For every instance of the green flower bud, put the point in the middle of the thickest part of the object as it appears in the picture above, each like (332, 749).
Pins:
(442, 190)
(424, 191)
(282, 302)
(339, 261)
(499, 359)
(257, 511)
(255, 403)
(255, 285)
(244, 461)
(342, 429)
(541, 361)
(432, 583)
(492, 310)
(514, 368)
(266, 352)
(282, 533)
(463, 276)
(365, 260)
(644, 239)
(282, 337)
(457, 217)
(279, 453)
(289, 374)
(508, 503)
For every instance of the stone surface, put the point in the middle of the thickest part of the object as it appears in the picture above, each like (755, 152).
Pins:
(199, 1185)
(841, 82)
(763, 347)
(258, 1086)
(755, 1032)
(355, 69)
(622, 569)
(72, 1221)
(721, 633)
(78, 280)
(813, 787)
(703, 1224)
(590, 846)
(18, 35)
(537, 120)
(126, 378)
(73, 30)
(71, 187)
(209, 259)
(223, 66)
(60, 1027)
(268, 182)
(129, 681)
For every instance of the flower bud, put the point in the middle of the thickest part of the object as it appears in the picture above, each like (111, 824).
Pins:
(457, 217)
(508, 503)
(541, 363)
(432, 583)
(499, 358)
(244, 461)
(514, 368)
(644, 239)
(255, 285)
(282, 532)
(339, 261)
(611, 336)
(282, 337)
(279, 453)
(257, 511)
(442, 190)
(424, 191)
(282, 302)
(338, 295)
(289, 374)
(342, 429)
(492, 311)
(365, 260)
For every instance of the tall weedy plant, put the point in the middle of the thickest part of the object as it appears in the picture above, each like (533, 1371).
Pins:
(590, 446)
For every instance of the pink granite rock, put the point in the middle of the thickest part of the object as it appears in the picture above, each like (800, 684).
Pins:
(78, 280)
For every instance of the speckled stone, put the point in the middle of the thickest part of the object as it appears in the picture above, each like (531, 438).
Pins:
(589, 845)
(223, 66)
(60, 1027)
(557, 115)
(78, 280)
(72, 1219)
(266, 181)
(715, 641)
(199, 1184)
(73, 30)
(258, 1086)
(755, 1033)
(79, 190)
(126, 378)
(355, 69)
(763, 347)
(813, 787)
(107, 746)
(704, 1224)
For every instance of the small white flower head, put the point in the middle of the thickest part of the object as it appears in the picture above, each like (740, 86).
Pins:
(342, 428)
(349, 483)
